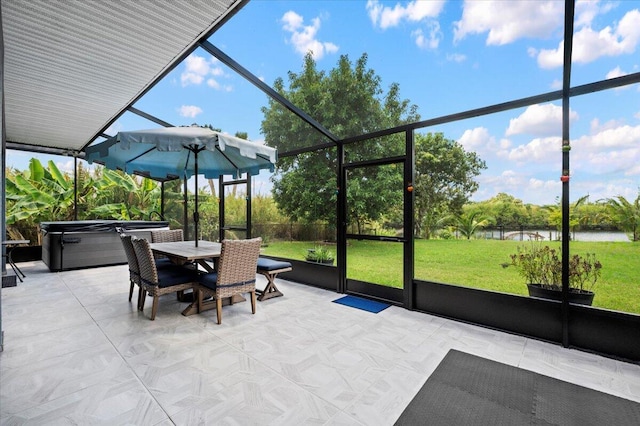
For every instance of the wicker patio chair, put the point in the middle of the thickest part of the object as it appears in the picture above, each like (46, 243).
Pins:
(134, 269)
(166, 235)
(236, 274)
(158, 282)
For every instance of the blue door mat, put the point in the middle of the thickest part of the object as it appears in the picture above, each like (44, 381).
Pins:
(364, 304)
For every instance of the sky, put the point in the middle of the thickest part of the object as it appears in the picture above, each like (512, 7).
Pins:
(447, 57)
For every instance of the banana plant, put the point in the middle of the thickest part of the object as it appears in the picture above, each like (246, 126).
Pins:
(39, 194)
(123, 197)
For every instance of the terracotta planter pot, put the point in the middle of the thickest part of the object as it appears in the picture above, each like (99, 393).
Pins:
(575, 296)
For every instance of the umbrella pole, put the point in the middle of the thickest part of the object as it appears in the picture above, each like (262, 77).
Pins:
(162, 200)
(196, 216)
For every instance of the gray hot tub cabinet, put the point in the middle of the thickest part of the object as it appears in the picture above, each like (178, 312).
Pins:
(90, 243)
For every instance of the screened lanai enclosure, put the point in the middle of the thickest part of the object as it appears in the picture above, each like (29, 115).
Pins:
(423, 154)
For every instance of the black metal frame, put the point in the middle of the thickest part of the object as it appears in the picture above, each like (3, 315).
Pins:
(351, 286)
(611, 333)
(222, 227)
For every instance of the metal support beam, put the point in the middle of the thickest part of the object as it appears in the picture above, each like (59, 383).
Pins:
(408, 221)
(225, 59)
(149, 117)
(566, 86)
(341, 219)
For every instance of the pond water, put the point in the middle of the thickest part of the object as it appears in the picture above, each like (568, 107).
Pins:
(546, 235)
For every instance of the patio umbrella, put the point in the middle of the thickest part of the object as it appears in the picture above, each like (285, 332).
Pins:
(165, 153)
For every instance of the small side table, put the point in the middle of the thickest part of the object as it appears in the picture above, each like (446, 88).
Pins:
(10, 245)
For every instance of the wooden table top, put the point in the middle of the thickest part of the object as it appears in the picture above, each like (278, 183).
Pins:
(187, 250)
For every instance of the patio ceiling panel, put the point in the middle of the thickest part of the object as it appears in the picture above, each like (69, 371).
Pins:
(73, 67)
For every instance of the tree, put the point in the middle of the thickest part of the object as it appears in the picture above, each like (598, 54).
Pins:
(347, 101)
(444, 179)
(506, 210)
(123, 197)
(37, 195)
(469, 222)
(626, 215)
(42, 194)
(555, 213)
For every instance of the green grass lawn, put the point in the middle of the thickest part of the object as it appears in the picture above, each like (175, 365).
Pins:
(478, 264)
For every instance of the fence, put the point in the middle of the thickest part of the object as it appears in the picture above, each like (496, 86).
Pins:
(295, 231)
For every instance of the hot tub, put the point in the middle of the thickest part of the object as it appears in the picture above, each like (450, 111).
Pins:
(82, 244)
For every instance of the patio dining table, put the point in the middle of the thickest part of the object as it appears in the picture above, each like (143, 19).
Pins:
(181, 252)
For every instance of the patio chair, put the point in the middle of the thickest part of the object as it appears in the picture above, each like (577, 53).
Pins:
(134, 269)
(236, 274)
(166, 235)
(170, 236)
(159, 281)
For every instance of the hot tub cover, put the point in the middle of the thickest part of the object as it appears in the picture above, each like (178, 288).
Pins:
(100, 225)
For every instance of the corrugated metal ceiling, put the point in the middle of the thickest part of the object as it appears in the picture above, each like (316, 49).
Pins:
(71, 67)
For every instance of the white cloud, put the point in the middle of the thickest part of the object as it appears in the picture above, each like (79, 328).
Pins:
(432, 39)
(612, 148)
(537, 191)
(480, 141)
(215, 84)
(616, 72)
(540, 150)
(624, 162)
(589, 45)
(198, 70)
(507, 21)
(587, 10)
(596, 127)
(551, 58)
(415, 11)
(66, 167)
(292, 21)
(539, 120)
(609, 137)
(508, 178)
(474, 139)
(456, 57)
(304, 37)
(189, 111)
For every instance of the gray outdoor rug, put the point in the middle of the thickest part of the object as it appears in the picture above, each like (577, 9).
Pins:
(469, 390)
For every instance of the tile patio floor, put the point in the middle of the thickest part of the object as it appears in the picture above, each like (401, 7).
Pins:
(77, 352)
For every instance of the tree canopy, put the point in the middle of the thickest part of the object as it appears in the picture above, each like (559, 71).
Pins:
(348, 100)
(444, 181)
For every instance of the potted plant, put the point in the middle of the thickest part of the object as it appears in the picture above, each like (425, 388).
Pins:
(541, 267)
(319, 254)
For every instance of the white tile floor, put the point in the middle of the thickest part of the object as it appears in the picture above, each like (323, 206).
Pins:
(77, 352)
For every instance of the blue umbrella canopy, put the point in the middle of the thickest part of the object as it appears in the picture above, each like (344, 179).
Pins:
(170, 152)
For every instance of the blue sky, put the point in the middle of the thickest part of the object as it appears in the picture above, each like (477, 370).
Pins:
(447, 56)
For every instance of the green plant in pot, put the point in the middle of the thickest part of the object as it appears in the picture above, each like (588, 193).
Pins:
(541, 267)
(319, 254)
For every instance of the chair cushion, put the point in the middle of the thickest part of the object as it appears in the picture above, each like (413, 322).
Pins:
(265, 264)
(164, 263)
(178, 275)
(209, 280)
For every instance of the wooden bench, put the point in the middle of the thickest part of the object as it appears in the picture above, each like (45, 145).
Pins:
(270, 269)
